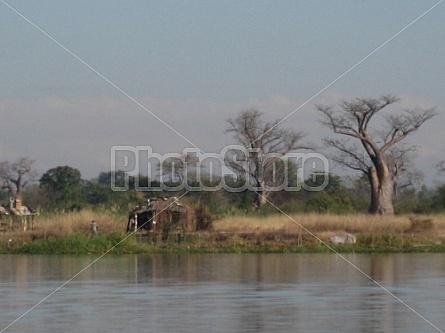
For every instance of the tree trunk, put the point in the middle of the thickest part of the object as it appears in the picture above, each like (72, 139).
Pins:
(382, 191)
(261, 195)
(261, 199)
(374, 182)
(386, 191)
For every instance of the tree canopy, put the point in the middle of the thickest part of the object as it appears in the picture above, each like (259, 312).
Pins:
(377, 151)
(265, 143)
(17, 175)
(62, 185)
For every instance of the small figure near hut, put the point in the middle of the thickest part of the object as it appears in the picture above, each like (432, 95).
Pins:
(94, 228)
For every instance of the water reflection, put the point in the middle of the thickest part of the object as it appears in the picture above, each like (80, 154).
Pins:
(222, 293)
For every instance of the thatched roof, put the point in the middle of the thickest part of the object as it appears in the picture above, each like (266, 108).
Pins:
(162, 211)
(161, 204)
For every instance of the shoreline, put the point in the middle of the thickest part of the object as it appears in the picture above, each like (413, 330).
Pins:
(215, 242)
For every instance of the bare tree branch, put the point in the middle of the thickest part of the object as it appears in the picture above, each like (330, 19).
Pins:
(264, 143)
(349, 155)
(400, 126)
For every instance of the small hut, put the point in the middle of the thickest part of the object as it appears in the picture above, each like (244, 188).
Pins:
(162, 215)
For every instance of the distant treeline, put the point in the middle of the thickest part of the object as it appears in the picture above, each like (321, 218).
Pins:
(68, 192)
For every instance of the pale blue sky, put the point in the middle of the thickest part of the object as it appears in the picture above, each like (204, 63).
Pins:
(196, 63)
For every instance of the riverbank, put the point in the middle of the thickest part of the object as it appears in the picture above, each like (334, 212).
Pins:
(308, 233)
(218, 243)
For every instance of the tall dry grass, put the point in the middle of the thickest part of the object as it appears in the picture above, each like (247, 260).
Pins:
(326, 225)
(66, 224)
(255, 229)
(62, 225)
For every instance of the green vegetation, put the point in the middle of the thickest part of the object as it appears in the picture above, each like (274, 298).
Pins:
(78, 243)
(343, 195)
(123, 244)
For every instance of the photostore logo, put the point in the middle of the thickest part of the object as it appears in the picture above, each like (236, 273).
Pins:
(235, 169)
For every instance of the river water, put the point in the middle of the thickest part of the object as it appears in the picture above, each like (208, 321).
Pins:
(223, 293)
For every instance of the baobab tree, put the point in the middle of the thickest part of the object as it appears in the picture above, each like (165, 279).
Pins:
(17, 175)
(377, 151)
(265, 143)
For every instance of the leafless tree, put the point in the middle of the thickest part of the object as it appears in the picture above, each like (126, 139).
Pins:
(17, 175)
(265, 142)
(376, 151)
(400, 158)
(179, 169)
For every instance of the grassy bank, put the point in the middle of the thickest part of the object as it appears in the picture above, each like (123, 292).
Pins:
(70, 233)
